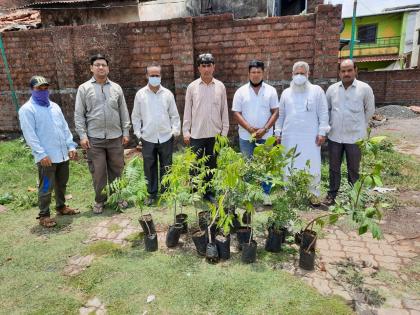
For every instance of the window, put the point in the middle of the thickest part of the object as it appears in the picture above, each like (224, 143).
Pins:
(367, 33)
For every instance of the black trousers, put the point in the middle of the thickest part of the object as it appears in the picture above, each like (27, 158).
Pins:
(152, 153)
(54, 177)
(353, 156)
(205, 147)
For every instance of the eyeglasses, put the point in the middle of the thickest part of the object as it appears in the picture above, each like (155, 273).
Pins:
(98, 65)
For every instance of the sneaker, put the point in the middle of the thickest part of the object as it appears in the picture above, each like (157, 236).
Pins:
(267, 200)
(98, 207)
(329, 200)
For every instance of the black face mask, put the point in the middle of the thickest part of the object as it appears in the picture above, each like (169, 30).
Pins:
(256, 84)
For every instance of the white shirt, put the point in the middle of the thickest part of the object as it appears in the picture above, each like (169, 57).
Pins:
(350, 111)
(155, 115)
(255, 108)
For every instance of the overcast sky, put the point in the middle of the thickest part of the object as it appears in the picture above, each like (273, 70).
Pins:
(366, 7)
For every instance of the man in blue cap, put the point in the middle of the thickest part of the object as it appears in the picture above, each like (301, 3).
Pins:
(48, 135)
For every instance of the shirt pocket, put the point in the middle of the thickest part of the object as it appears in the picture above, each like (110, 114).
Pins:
(90, 100)
(355, 106)
(113, 101)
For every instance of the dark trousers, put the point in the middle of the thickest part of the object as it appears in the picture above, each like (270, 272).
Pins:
(52, 177)
(106, 162)
(335, 154)
(205, 147)
(152, 153)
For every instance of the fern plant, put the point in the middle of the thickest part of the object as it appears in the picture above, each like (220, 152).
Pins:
(131, 186)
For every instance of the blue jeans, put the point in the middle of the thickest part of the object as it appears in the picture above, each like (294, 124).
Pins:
(247, 150)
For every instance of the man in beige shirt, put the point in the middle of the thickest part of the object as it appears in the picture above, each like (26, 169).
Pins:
(205, 113)
(351, 104)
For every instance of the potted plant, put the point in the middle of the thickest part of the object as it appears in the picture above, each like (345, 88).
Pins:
(354, 205)
(184, 185)
(132, 187)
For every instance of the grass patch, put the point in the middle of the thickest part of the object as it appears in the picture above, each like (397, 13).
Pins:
(101, 248)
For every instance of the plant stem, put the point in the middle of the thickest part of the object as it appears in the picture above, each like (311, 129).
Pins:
(313, 221)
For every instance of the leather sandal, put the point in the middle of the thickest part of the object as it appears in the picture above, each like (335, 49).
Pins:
(47, 222)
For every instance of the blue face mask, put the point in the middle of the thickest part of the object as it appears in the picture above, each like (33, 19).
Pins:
(154, 81)
(41, 97)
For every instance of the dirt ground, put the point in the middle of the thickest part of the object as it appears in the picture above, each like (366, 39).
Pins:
(406, 132)
(404, 220)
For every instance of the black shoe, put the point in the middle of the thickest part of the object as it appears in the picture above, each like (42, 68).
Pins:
(329, 201)
(150, 201)
(210, 198)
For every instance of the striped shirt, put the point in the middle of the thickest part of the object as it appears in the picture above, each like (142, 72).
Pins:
(206, 110)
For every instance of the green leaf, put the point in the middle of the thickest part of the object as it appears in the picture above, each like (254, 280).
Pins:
(377, 139)
(363, 229)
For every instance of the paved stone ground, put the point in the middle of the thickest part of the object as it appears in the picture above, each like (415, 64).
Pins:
(337, 249)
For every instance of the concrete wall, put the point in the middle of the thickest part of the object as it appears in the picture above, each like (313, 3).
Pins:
(61, 54)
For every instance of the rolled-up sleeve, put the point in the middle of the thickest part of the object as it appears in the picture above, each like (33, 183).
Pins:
(27, 124)
(80, 114)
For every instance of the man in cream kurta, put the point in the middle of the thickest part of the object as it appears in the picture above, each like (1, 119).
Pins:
(303, 122)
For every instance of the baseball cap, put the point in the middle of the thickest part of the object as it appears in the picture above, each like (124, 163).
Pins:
(38, 80)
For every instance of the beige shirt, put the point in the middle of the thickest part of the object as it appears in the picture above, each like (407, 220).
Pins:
(155, 116)
(350, 111)
(206, 110)
(101, 111)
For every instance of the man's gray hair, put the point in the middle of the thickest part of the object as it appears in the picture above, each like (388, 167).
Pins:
(301, 64)
(153, 65)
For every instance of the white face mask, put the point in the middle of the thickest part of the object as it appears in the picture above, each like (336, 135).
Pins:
(154, 81)
(299, 79)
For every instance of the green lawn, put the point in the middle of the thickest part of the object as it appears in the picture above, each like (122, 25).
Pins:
(32, 260)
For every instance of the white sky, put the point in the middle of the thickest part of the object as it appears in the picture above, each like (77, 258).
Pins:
(367, 7)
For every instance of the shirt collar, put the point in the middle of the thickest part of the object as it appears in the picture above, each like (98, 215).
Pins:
(202, 82)
(93, 80)
(353, 84)
(262, 85)
(158, 91)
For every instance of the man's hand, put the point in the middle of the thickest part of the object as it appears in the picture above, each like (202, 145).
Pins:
(125, 140)
(84, 143)
(260, 133)
(320, 140)
(278, 139)
(45, 162)
(187, 140)
(73, 155)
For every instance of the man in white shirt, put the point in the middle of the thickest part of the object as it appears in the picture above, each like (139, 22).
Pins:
(255, 107)
(303, 123)
(351, 104)
(156, 122)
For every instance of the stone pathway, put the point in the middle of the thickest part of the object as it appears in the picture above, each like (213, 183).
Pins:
(115, 230)
(336, 251)
(77, 264)
(93, 306)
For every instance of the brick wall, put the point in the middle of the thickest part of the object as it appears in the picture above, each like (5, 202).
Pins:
(61, 54)
(400, 87)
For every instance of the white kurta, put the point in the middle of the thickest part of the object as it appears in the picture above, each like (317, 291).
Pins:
(303, 116)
